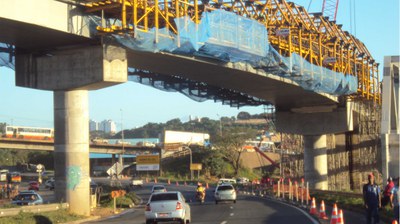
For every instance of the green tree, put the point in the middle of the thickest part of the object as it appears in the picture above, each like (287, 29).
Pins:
(231, 145)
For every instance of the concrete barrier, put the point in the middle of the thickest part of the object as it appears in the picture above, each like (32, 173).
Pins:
(33, 209)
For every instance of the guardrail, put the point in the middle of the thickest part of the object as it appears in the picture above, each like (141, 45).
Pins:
(32, 208)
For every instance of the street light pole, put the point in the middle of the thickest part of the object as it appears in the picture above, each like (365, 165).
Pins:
(190, 166)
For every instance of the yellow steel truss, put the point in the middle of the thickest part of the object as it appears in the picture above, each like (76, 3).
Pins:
(291, 29)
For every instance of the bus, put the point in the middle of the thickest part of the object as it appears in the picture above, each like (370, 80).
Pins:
(20, 132)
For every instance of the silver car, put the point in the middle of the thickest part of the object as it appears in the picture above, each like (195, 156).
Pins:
(167, 206)
(158, 188)
(225, 192)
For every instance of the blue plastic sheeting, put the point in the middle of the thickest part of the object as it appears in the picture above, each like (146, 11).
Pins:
(6, 59)
(228, 37)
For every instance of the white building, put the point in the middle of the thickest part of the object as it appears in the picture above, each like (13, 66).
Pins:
(108, 126)
(93, 125)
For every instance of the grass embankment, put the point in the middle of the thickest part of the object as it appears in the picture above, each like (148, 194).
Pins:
(351, 203)
(59, 216)
(127, 201)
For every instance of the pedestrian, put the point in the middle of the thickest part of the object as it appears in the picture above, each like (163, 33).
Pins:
(387, 192)
(395, 200)
(372, 199)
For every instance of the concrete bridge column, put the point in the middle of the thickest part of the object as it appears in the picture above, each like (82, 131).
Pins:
(71, 144)
(315, 161)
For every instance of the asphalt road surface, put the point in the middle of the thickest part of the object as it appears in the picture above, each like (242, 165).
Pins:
(248, 209)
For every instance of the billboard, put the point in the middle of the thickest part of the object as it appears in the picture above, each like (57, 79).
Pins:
(148, 162)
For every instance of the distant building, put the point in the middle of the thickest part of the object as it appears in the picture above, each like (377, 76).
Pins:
(108, 126)
(93, 125)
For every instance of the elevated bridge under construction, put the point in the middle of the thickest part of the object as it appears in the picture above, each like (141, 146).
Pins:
(321, 79)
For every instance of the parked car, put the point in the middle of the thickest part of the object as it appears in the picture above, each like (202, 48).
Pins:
(225, 192)
(167, 206)
(158, 188)
(33, 185)
(27, 198)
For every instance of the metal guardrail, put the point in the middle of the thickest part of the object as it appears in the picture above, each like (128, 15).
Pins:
(344, 194)
(33, 208)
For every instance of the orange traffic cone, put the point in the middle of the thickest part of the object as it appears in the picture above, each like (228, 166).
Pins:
(169, 182)
(340, 219)
(155, 180)
(395, 222)
(147, 180)
(206, 185)
(185, 183)
(334, 217)
(313, 209)
(177, 184)
(322, 213)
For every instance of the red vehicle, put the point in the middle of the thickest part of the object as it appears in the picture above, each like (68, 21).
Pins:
(33, 185)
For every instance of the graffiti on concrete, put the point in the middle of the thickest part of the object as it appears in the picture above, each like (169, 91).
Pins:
(74, 176)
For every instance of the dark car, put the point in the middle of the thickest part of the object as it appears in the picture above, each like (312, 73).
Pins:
(33, 185)
(27, 198)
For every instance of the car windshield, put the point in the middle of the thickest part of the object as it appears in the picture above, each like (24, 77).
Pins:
(225, 188)
(25, 197)
(164, 197)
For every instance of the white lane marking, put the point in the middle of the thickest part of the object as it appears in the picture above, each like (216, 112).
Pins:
(231, 207)
(224, 222)
(231, 214)
(302, 211)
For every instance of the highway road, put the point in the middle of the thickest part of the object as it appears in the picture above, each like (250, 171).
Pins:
(248, 209)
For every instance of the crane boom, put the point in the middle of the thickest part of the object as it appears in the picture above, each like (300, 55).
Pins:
(329, 9)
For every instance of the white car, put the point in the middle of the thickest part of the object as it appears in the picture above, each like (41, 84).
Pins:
(167, 207)
(225, 192)
(158, 188)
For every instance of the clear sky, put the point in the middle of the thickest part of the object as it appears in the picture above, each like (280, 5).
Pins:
(376, 23)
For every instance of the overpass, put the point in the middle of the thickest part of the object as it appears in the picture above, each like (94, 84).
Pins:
(23, 144)
(305, 65)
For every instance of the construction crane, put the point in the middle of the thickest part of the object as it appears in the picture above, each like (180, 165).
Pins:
(329, 9)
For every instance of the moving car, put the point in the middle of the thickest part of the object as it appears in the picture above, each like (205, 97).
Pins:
(137, 182)
(226, 180)
(167, 206)
(242, 180)
(158, 188)
(27, 198)
(49, 184)
(225, 192)
(33, 185)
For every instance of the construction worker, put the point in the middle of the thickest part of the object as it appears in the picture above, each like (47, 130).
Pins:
(372, 199)
(387, 192)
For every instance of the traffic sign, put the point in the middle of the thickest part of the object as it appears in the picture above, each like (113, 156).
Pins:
(196, 166)
(147, 159)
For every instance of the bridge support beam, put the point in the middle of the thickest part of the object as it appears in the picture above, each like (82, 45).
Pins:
(70, 73)
(315, 161)
(71, 155)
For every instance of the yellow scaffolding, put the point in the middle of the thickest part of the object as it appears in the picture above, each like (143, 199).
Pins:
(291, 29)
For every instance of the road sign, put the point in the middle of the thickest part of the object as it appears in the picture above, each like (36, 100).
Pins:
(115, 169)
(196, 166)
(148, 162)
(147, 159)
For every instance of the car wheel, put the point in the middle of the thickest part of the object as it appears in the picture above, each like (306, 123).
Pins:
(149, 222)
(216, 202)
(187, 221)
(182, 221)
(234, 201)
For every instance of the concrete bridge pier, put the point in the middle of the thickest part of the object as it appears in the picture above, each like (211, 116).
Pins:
(71, 73)
(71, 154)
(314, 123)
(315, 161)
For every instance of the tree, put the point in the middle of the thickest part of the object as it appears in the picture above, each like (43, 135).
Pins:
(231, 145)
(243, 116)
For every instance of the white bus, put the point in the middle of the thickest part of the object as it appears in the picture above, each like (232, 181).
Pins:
(20, 132)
